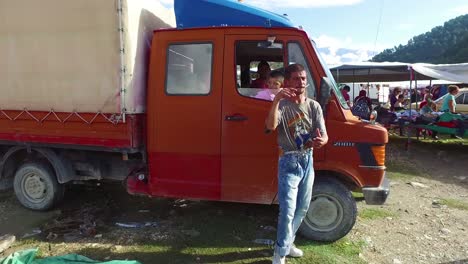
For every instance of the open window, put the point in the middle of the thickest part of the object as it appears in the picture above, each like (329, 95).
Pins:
(255, 60)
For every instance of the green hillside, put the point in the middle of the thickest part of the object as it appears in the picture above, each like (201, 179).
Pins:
(443, 44)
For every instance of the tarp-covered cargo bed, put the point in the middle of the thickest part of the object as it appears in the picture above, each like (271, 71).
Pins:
(77, 56)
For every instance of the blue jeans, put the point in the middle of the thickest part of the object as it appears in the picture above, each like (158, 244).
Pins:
(295, 181)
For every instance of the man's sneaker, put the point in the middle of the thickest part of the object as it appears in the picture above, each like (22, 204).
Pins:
(295, 252)
(277, 259)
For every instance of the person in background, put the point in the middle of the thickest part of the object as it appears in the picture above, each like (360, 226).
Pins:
(435, 92)
(275, 83)
(399, 104)
(449, 104)
(363, 96)
(263, 71)
(394, 97)
(427, 99)
(345, 92)
(414, 96)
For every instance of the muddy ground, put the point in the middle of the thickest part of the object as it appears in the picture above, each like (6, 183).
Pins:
(425, 219)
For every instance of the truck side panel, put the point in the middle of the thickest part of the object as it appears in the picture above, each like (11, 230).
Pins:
(84, 130)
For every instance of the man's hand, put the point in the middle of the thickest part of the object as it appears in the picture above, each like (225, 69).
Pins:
(319, 141)
(285, 93)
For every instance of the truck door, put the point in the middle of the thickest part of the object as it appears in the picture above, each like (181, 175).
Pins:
(184, 112)
(249, 156)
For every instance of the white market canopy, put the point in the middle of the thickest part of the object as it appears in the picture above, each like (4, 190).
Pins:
(397, 71)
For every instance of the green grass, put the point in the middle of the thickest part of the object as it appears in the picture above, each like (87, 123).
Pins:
(453, 203)
(375, 213)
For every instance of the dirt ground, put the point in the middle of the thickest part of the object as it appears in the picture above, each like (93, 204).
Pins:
(422, 229)
(425, 219)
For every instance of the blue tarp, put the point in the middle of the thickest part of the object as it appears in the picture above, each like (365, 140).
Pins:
(209, 13)
(29, 257)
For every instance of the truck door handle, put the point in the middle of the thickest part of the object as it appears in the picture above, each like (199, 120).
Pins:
(236, 117)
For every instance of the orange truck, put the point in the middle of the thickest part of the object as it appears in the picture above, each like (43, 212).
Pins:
(129, 90)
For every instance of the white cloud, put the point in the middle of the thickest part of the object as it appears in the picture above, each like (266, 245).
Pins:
(460, 10)
(337, 51)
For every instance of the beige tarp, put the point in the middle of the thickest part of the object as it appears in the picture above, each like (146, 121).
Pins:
(66, 55)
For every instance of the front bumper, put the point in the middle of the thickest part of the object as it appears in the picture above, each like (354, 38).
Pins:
(377, 195)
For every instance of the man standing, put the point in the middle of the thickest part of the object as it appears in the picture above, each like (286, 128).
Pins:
(301, 128)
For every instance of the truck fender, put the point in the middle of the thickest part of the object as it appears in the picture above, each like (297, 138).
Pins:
(62, 167)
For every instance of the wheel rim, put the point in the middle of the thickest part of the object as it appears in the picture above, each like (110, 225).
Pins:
(34, 187)
(325, 213)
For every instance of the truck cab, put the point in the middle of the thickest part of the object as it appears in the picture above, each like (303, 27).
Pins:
(206, 126)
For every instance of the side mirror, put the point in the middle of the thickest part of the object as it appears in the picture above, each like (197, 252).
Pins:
(325, 93)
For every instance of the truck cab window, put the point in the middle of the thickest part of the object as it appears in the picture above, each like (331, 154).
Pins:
(189, 68)
(295, 55)
(255, 62)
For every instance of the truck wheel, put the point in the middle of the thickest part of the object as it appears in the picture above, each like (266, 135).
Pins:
(332, 212)
(36, 186)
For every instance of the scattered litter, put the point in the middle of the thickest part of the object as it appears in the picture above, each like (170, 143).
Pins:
(73, 236)
(418, 184)
(143, 211)
(461, 178)
(269, 228)
(34, 232)
(436, 203)
(262, 241)
(396, 261)
(98, 236)
(192, 233)
(6, 241)
(51, 236)
(445, 231)
(136, 224)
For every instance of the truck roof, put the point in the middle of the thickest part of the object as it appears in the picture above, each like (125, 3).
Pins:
(212, 13)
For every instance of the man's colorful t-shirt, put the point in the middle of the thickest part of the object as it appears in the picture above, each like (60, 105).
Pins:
(298, 124)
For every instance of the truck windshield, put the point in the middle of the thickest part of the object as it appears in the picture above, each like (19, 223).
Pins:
(335, 88)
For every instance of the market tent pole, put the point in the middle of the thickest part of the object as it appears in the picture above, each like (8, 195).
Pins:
(353, 86)
(408, 141)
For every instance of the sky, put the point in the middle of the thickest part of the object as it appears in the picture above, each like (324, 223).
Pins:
(354, 30)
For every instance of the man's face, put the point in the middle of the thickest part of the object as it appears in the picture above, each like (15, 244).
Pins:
(297, 82)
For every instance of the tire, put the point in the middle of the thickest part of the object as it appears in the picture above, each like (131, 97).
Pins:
(36, 187)
(332, 212)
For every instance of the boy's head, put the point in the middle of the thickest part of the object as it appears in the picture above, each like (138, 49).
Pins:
(401, 97)
(275, 80)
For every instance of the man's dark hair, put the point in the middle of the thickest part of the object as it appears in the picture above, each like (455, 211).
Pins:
(262, 63)
(452, 88)
(292, 68)
(346, 88)
(276, 74)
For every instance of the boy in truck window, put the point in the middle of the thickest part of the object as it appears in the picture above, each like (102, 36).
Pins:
(263, 70)
(301, 128)
(275, 83)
